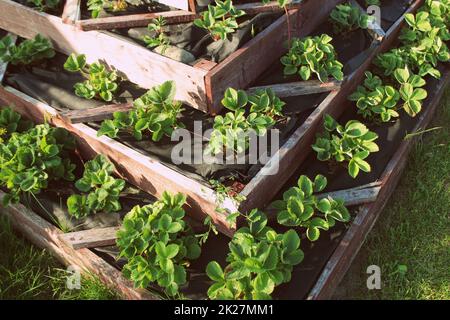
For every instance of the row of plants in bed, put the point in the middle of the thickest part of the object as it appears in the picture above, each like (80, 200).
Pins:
(155, 114)
(156, 241)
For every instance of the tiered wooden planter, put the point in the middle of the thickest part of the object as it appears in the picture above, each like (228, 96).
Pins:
(154, 177)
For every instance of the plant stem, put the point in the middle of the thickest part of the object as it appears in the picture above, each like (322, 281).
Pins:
(288, 26)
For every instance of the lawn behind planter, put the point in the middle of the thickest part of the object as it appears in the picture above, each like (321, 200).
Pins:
(27, 272)
(411, 240)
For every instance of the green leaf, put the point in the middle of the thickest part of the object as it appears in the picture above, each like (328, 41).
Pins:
(214, 271)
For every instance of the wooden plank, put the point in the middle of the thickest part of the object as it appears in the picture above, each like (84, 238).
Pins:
(243, 66)
(299, 88)
(95, 114)
(45, 235)
(354, 196)
(4, 65)
(353, 240)
(92, 238)
(261, 188)
(71, 12)
(135, 20)
(132, 61)
(141, 170)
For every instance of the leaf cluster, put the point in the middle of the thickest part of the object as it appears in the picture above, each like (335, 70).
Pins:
(158, 244)
(29, 160)
(100, 82)
(259, 260)
(220, 20)
(255, 112)
(101, 189)
(27, 52)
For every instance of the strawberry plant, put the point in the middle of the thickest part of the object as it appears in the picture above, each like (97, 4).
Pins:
(347, 18)
(220, 20)
(372, 2)
(392, 60)
(232, 130)
(27, 52)
(351, 144)
(376, 101)
(300, 208)
(156, 27)
(313, 55)
(411, 91)
(29, 160)
(99, 83)
(44, 5)
(156, 112)
(158, 244)
(259, 260)
(102, 189)
(10, 122)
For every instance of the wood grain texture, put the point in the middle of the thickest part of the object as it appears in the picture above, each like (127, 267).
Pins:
(45, 235)
(132, 61)
(299, 88)
(135, 20)
(95, 114)
(141, 170)
(92, 238)
(353, 240)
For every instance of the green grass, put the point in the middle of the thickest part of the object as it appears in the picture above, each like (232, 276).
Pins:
(411, 240)
(27, 272)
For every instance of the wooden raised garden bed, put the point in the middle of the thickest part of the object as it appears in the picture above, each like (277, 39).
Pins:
(326, 261)
(176, 12)
(154, 176)
(200, 85)
(321, 283)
